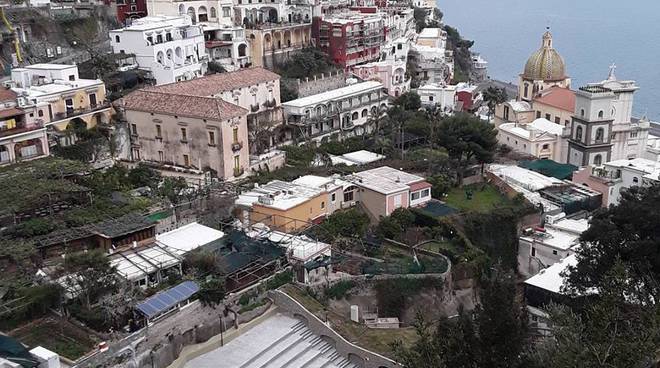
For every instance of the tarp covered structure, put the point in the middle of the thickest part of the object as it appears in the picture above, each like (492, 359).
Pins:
(168, 299)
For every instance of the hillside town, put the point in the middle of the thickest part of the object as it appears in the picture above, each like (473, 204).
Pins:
(314, 183)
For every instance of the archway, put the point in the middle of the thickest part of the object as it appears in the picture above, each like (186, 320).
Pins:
(242, 50)
(272, 15)
(179, 55)
(268, 42)
(182, 9)
(287, 38)
(277, 38)
(191, 14)
(202, 13)
(100, 118)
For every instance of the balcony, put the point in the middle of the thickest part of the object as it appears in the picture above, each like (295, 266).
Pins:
(270, 103)
(276, 25)
(217, 43)
(236, 146)
(71, 112)
(254, 108)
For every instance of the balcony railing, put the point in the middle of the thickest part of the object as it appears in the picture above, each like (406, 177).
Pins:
(69, 113)
(20, 129)
(270, 103)
(236, 146)
(272, 25)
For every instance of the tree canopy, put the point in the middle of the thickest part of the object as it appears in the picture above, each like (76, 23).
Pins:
(629, 231)
(467, 138)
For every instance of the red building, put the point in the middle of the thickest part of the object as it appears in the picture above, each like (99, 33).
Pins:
(128, 9)
(467, 96)
(350, 38)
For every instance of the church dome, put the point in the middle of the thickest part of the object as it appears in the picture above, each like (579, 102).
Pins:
(545, 63)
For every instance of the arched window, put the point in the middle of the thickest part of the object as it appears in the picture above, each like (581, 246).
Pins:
(365, 112)
(582, 112)
(319, 111)
(598, 160)
(600, 133)
(526, 89)
(355, 116)
(159, 38)
(117, 39)
(601, 114)
(578, 133)
(213, 12)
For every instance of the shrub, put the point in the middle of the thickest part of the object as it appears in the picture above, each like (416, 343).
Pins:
(339, 290)
(280, 279)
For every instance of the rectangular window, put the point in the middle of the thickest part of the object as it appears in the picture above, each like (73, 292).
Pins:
(212, 138)
(554, 252)
(633, 134)
(161, 156)
(506, 112)
(333, 197)
(226, 12)
(348, 196)
(237, 162)
(414, 196)
(136, 154)
(431, 98)
(158, 131)
(557, 120)
(538, 114)
(134, 129)
(186, 160)
(235, 135)
(69, 105)
(322, 205)
(426, 193)
(547, 116)
(533, 252)
(92, 100)
(397, 201)
(184, 135)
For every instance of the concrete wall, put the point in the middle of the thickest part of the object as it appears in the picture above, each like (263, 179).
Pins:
(364, 358)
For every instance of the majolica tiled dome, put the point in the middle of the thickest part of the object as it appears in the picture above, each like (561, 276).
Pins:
(545, 63)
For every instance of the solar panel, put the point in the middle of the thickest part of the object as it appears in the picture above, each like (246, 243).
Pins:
(167, 299)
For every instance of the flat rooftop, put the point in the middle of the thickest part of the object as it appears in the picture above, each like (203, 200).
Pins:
(385, 180)
(339, 93)
(279, 341)
(278, 194)
(189, 237)
(551, 278)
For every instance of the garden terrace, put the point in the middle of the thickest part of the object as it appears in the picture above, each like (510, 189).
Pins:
(106, 234)
(243, 260)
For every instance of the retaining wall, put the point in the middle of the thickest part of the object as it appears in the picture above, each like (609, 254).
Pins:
(362, 357)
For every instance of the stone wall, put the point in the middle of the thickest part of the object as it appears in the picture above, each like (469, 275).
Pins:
(321, 83)
(362, 357)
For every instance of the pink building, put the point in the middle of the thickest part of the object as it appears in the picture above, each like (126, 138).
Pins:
(384, 189)
(392, 74)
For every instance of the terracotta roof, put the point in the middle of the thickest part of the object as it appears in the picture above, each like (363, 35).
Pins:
(216, 83)
(561, 98)
(7, 94)
(12, 111)
(182, 105)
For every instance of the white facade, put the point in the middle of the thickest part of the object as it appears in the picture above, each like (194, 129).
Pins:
(541, 138)
(438, 94)
(542, 247)
(345, 111)
(217, 12)
(434, 64)
(652, 151)
(171, 47)
(624, 174)
(602, 128)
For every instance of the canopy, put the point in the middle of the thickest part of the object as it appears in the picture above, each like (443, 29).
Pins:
(166, 300)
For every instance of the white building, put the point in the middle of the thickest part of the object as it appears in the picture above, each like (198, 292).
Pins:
(433, 37)
(541, 138)
(172, 48)
(652, 148)
(540, 248)
(339, 113)
(438, 94)
(603, 129)
(615, 176)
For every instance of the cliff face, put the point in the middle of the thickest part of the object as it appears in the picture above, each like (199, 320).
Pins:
(49, 36)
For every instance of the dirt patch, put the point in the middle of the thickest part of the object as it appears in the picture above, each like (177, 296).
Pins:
(58, 335)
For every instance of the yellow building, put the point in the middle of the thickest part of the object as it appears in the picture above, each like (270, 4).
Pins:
(283, 206)
(62, 100)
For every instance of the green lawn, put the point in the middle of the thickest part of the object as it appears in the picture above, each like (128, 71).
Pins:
(484, 198)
